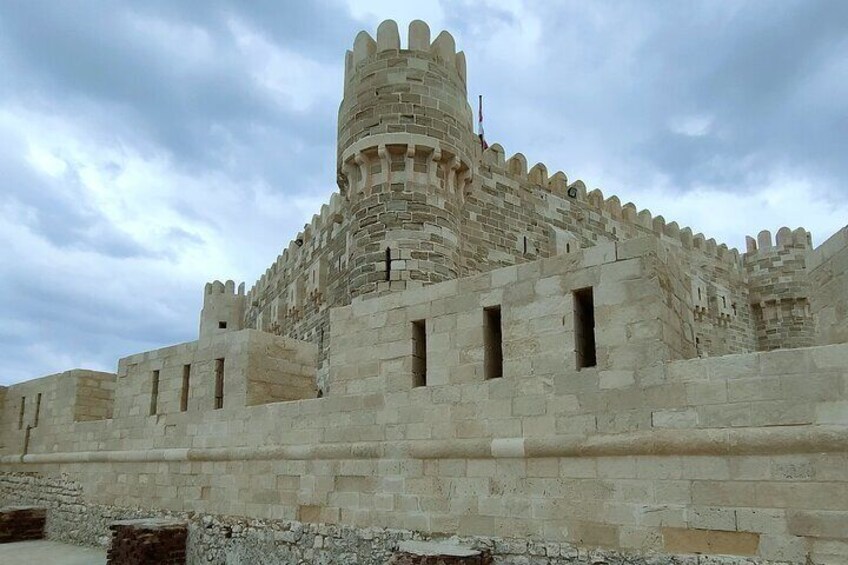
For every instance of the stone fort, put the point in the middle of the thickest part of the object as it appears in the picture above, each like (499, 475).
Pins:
(461, 346)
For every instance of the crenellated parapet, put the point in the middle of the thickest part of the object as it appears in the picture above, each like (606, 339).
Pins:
(779, 288)
(223, 308)
(305, 254)
(643, 221)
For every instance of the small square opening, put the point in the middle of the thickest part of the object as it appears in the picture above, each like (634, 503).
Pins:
(222, 325)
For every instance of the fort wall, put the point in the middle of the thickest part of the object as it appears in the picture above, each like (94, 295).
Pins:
(741, 454)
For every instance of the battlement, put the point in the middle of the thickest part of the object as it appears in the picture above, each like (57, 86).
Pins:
(218, 287)
(305, 244)
(558, 184)
(443, 48)
(785, 237)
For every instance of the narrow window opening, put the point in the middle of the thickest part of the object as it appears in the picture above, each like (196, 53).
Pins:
(184, 389)
(699, 294)
(492, 343)
(154, 392)
(21, 413)
(37, 410)
(568, 248)
(724, 301)
(219, 384)
(419, 353)
(222, 325)
(388, 263)
(26, 439)
(525, 245)
(584, 328)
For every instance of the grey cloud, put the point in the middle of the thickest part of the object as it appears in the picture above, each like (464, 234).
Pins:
(100, 66)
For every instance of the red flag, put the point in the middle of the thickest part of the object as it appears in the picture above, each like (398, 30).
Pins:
(483, 144)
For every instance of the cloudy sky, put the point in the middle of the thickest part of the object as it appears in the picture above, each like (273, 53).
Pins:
(148, 147)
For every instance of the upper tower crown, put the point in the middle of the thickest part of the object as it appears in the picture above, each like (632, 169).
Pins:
(405, 100)
(388, 39)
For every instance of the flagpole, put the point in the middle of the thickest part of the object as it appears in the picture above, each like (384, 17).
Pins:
(480, 134)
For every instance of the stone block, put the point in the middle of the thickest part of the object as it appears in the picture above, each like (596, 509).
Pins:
(818, 524)
(710, 542)
(686, 418)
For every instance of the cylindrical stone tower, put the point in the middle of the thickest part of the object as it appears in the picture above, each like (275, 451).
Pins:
(405, 151)
(779, 289)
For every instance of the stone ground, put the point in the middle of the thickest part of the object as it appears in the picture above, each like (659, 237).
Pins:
(45, 552)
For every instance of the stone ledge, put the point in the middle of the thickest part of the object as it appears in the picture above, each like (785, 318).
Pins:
(701, 441)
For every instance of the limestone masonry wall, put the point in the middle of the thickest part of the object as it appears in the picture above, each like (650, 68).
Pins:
(459, 346)
(741, 454)
(828, 267)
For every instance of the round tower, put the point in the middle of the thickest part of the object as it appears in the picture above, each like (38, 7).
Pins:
(405, 151)
(779, 289)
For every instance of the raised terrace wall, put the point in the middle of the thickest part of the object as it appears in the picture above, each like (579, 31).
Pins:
(742, 454)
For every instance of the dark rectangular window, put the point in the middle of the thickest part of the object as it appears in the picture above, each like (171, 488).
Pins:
(37, 410)
(222, 325)
(584, 328)
(21, 413)
(154, 392)
(492, 343)
(184, 389)
(219, 384)
(419, 353)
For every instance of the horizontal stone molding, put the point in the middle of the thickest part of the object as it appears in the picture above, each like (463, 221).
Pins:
(398, 139)
(713, 441)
